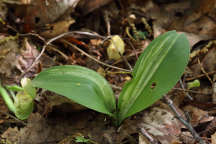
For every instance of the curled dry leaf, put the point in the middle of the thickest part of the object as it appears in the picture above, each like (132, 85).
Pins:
(28, 55)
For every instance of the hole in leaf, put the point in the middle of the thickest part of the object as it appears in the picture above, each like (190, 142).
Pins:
(179, 14)
(37, 19)
(153, 85)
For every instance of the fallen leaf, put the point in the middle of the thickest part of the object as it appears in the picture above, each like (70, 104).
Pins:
(87, 6)
(213, 138)
(28, 54)
(8, 52)
(162, 124)
(197, 115)
(58, 28)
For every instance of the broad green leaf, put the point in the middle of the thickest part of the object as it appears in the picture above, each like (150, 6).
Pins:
(81, 85)
(157, 70)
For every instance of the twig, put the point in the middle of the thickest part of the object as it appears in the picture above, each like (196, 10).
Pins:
(86, 54)
(58, 51)
(148, 136)
(132, 46)
(188, 125)
(56, 38)
(127, 56)
(116, 87)
(203, 70)
(107, 21)
(191, 91)
(182, 85)
(13, 117)
(33, 34)
(201, 75)
(43, 49)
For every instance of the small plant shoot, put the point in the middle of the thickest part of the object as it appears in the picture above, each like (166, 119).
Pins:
(157, 70)
(20, 104)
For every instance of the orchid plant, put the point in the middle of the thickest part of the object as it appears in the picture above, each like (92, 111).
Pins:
(157, 70)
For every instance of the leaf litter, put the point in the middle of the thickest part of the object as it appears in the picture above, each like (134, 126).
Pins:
(25, 28)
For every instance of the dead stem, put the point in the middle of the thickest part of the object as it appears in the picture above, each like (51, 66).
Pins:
(183, 87)
(148, 136)
(22, 122)
(184, 122)
(91, 57)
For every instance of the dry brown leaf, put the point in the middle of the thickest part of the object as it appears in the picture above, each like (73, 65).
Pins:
(11, 135)
(27, 56)
(197, 115)
(195, 38)
(87, 6)
(3, 11)
(213, 138)
(208, 62)
(47, 11)
(57, 28)
(142, 139)
(162, 124)
(203, 26)
(41, 12)
(9, 49)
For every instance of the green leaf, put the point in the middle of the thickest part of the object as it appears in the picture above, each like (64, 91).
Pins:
(157, 70)
(81, 139)
(81, 85)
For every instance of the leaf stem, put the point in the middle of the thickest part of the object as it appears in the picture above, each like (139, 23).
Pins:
(7, 99)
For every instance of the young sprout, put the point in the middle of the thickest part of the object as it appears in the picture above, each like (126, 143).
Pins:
(20, 104)
(195, 83)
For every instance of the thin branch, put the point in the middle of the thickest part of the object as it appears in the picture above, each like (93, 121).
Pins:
(107, 21)
(43, 49)
(180, 118)
(91, 57)
(14, 118)
(61, 36)
(191, 91)
(183, 87)
(148, 136)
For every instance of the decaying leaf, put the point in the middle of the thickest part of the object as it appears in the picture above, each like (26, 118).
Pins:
(8, 52)
(88, 6)
(3, 11)
(57, 28)
(162, 124)
(28, 54)
(213, 138)
(197, 115)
